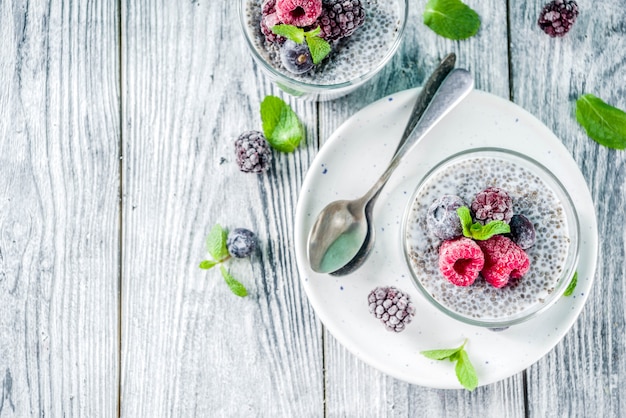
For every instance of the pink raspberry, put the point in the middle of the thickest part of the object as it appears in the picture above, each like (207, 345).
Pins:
(492, 204)
(460, 261)
(504, 260)
(299, 13)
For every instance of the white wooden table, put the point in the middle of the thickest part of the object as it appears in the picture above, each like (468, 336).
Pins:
(116, 158)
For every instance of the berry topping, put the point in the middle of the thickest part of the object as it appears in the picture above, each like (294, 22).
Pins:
(241, 242)
(504, 260)
(557, 17)
(269, 19)
(460, 261)
(522, 231)
(296, 58)
(492, 204)
(253, 152)
(442, 220)
(392, 306)
(340, 18)
(299, 13)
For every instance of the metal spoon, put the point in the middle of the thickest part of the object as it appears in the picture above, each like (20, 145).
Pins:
(342, 235)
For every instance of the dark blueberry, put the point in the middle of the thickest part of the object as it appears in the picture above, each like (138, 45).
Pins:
(443, 221)
(522, 231)
(296, 58)
(241, 242)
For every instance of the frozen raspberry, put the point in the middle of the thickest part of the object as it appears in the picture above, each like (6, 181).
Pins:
(392, 306)
(241, 242)
(299, 13)
(340, 18)
(492, 204)
(442, 220)
(504, 260)
(460, 261)
(522, 231)
(557, 17)
(269, 19)
(253, 152)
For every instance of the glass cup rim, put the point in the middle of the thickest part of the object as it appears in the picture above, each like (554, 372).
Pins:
(313, 86)
(570, 263)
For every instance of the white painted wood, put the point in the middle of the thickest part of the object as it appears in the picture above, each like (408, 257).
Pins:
(59, 217)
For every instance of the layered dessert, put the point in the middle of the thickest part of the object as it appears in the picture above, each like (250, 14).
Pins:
(488, 237)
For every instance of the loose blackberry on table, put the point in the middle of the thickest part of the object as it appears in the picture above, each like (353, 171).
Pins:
(253, 152)
(392, 306)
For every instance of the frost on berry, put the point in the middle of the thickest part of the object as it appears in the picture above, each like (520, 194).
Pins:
(522, 231)
(504, 260)
(392, 306)
(460, 261)
(340, 18)
(492, 204)
(241, 242)
(442, 219)
(299, 13)
(253, 152)
(557, 17)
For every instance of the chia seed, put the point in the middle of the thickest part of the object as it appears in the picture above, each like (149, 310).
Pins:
(531, 197)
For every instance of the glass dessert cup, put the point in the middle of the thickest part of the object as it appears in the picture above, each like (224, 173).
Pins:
(537, 194)
(347, 67)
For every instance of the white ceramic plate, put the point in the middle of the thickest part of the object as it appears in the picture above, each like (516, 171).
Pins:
(351, 161)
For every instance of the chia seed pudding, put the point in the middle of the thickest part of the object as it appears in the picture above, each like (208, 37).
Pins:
(551, 259)
(354, 57)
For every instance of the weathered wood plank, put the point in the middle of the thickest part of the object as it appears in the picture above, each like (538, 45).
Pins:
(189, 346)
(59, 218)
(353, 388)
(584, 375)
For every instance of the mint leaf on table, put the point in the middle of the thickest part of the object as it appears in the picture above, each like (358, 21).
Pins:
(236, 287)
(465, 372)
(451, 19)
(603, 123)
(216, 243)
(207, 264)
(281, 126)
(478, 231)
(571, 286)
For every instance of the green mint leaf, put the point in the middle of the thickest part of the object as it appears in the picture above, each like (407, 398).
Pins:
(451, 19)
(236, 287)
(318, 47)
(294, 33)
(207, 264)
(603, 123)
(571, 286)
(281, 126)
(447, 353)
(216, 243)
(484, 232)
(314, 32)
(466, 220)
(465, 372)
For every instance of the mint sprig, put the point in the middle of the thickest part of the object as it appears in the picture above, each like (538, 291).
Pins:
(571, 286)
(216, 246)
(603, 123)
(478, 231)
(451, 19)
(281, 126)
(465, 372)
(318, 46)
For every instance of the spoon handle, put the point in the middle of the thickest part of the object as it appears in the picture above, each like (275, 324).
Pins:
(457, 85)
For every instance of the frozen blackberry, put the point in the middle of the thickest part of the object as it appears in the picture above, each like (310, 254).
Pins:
(392, 306)
(492, 204)
(340, 18)
(241, 242)
(269, 19)
(296, 58)
(557, 17)
(522, 231)
(299, 13)
(442, 220)
(253, 152)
